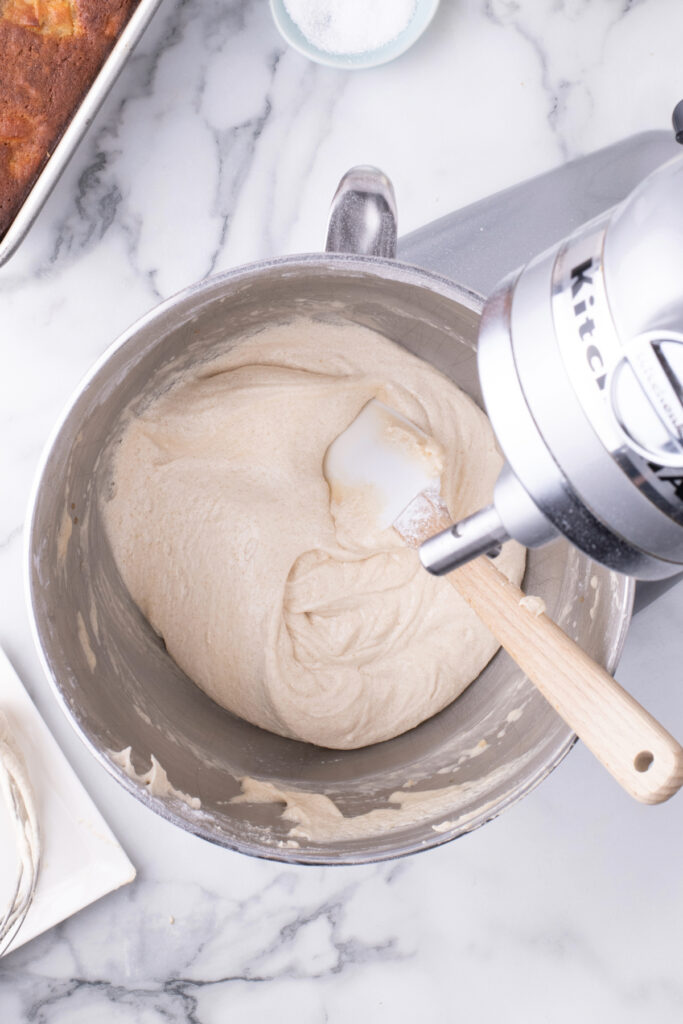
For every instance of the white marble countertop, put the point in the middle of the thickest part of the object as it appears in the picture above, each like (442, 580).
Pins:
(218, 146)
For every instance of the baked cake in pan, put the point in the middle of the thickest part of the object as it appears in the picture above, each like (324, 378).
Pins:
(50, 53)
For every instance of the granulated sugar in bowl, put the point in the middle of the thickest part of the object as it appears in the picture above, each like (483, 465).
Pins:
(352, 33)
(350, 26)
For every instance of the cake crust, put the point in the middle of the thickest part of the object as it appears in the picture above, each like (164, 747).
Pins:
(51, 52)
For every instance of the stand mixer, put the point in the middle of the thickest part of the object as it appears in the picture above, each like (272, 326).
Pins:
(580, 357)
(120, 687)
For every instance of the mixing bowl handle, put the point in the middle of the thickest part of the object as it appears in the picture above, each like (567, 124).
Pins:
(363, 215)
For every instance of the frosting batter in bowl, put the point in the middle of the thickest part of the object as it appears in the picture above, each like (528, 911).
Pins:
(283, 607)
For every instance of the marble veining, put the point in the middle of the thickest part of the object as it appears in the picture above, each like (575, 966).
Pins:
(219, 145)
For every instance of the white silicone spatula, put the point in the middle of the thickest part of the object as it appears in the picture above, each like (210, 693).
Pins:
(383, 451)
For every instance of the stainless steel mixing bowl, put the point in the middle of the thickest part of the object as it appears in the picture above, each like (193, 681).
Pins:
(120, 688)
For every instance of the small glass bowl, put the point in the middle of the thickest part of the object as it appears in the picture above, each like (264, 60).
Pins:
(292, 34)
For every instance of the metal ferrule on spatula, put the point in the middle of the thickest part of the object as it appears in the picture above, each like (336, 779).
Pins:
(512, 514)
(478, 534)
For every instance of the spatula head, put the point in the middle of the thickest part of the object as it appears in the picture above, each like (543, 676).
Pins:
(385, 453)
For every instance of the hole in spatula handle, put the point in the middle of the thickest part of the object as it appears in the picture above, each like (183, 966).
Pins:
(643, 760)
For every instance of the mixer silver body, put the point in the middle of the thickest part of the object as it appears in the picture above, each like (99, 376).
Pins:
(580, 360)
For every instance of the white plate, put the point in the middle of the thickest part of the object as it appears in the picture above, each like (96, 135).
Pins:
(82, 860)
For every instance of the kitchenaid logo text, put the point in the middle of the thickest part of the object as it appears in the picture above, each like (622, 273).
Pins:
(583, 298)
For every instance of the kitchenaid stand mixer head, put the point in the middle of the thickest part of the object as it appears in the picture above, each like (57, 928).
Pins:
(580, 359)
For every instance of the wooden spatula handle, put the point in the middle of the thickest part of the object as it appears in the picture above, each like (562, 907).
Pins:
(644, 759)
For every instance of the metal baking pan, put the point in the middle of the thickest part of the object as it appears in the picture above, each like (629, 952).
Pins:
(77, 127)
